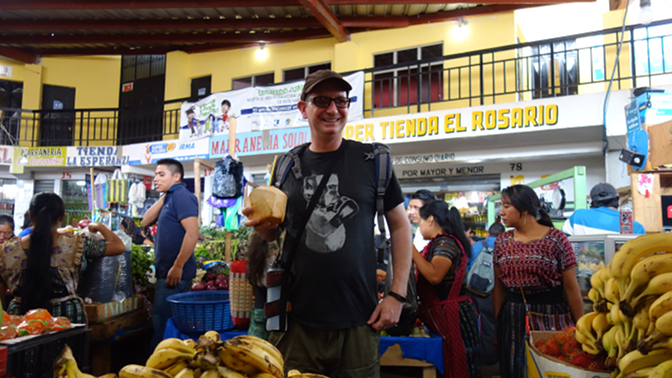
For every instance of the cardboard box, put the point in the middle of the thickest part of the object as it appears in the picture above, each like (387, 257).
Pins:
(99, 312)
(660, 144)
(543, 366)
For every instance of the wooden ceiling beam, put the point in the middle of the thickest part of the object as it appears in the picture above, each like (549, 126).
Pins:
(466, 12)
(157, 25)
(405, 2)
(375, 22)
(139, 39)
(19, 55)
(324, 15)
(135, 4)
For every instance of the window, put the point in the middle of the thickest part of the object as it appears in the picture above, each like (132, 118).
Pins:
(554, 69)
(301, 72)
(401, 86)
(253, 81)
(653, 47)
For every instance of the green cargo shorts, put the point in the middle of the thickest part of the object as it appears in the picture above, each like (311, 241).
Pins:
(343, 353)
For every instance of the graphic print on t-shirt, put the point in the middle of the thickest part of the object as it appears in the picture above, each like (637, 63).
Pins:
(325, 232)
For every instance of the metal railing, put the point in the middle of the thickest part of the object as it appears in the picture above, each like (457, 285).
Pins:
(575, 64)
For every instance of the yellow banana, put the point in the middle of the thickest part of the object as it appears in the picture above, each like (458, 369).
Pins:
(232, 362)
(212, 373)
(266, 375)
(635, 360)
(641, 373)
(265, 345)
(198, 372)
(138, 371)
(663, 370)
(660, 306)
(176, 367)
(594, 295)
(580, 337)
(111, 375)
(293, 372)
(252, 354)
(597, 283)
(214, 336)
(185, 373)
(615, 318)
(664, 324)
(622, 263)
(641, 320)
(229, 373)
(175, 344)
(611, 291)
(590, 349)
(600, 325)
(584, 325)
(648, 344)
(163, 358)
(658, 285)
(309, 375)
(190, 342)
(644, 270)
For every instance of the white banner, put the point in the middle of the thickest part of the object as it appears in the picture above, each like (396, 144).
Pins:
(150, 153)
(255, 109)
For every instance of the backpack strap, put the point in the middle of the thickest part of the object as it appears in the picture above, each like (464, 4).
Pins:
(383, 174)
(289, 161)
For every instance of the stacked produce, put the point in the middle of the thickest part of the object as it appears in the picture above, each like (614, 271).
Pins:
(35, 322)
(632, 299)
(66, 366)
(240, 357)
(211, 281)
(565, 347)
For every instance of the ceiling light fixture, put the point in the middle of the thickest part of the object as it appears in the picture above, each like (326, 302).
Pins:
(262, 53)
(460, 30)
(645, 12)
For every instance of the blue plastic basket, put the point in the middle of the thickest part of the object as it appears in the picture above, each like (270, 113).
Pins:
(201, 311)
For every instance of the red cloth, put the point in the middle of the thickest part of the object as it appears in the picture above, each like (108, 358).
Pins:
(443, 317)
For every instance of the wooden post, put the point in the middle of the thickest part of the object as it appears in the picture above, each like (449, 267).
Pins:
(93, 194)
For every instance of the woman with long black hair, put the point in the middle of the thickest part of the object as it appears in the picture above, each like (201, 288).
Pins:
(42, 269)
(443, 308)
(538, 259)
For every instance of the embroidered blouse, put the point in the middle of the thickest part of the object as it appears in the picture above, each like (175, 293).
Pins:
(540, 262)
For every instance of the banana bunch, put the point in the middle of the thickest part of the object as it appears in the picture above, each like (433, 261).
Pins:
(632, 299)
(240, 357)
(65, 366)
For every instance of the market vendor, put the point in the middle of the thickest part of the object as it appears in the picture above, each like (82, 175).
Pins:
(24, 261)
(134, 232)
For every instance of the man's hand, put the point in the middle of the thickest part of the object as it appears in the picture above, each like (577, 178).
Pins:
(174, 277)
(386, 314)
(266, 230)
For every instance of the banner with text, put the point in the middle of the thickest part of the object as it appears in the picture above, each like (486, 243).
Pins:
(260, 142)
(6, 155)
(256, 109)
(499, 119)
(150, 153)
(40, 156)
(96, 157)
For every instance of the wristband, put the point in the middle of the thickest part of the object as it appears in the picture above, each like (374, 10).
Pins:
(396, 296)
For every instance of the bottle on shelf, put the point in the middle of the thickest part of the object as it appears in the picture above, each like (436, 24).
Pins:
(625, 217)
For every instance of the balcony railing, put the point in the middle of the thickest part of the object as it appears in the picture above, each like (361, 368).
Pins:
(570, 65)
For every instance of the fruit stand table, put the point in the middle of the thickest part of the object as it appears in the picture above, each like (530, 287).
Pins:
(423, 352)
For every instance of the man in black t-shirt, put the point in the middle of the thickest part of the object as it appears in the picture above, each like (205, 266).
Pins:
(335, 319)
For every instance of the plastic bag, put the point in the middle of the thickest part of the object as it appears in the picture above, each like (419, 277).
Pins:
(124, 287)
(228, 181)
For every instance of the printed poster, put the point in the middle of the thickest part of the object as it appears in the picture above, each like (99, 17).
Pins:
(256, 109)
(150, 153)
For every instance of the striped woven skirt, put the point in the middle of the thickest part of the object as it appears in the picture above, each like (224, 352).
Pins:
(511, 335)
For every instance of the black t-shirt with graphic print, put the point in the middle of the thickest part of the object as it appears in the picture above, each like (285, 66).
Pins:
(334, 268)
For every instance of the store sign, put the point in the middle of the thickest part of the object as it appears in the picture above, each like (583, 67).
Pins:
(500, 119)
(256, 109)
(426, 158)
(442, 172)
(6, 71)
(127, 87)
(41, 156)
(258, 142)
(150, 153)
(96, 157)
(6, 155)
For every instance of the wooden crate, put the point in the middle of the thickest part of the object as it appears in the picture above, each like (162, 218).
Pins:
(99, 312)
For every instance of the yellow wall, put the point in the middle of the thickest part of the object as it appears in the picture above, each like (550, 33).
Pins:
(95, 78)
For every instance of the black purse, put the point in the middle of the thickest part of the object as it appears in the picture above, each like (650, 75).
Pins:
(278, 275)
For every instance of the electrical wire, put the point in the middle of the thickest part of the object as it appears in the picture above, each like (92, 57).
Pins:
(611, 80)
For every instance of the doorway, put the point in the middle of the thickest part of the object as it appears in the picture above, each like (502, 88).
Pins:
(58, 116)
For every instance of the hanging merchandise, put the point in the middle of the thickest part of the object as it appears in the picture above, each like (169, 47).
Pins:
(100, 191)
(241, 294)
(221, 202)
(231, 223)
(229, 180)
(137, 194)
(117, 188)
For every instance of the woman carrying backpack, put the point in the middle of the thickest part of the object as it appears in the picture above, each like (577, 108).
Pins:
(535, 259)
(444, 309)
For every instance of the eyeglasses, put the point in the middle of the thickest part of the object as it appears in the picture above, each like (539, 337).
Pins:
(325, 102)
(7, 234)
